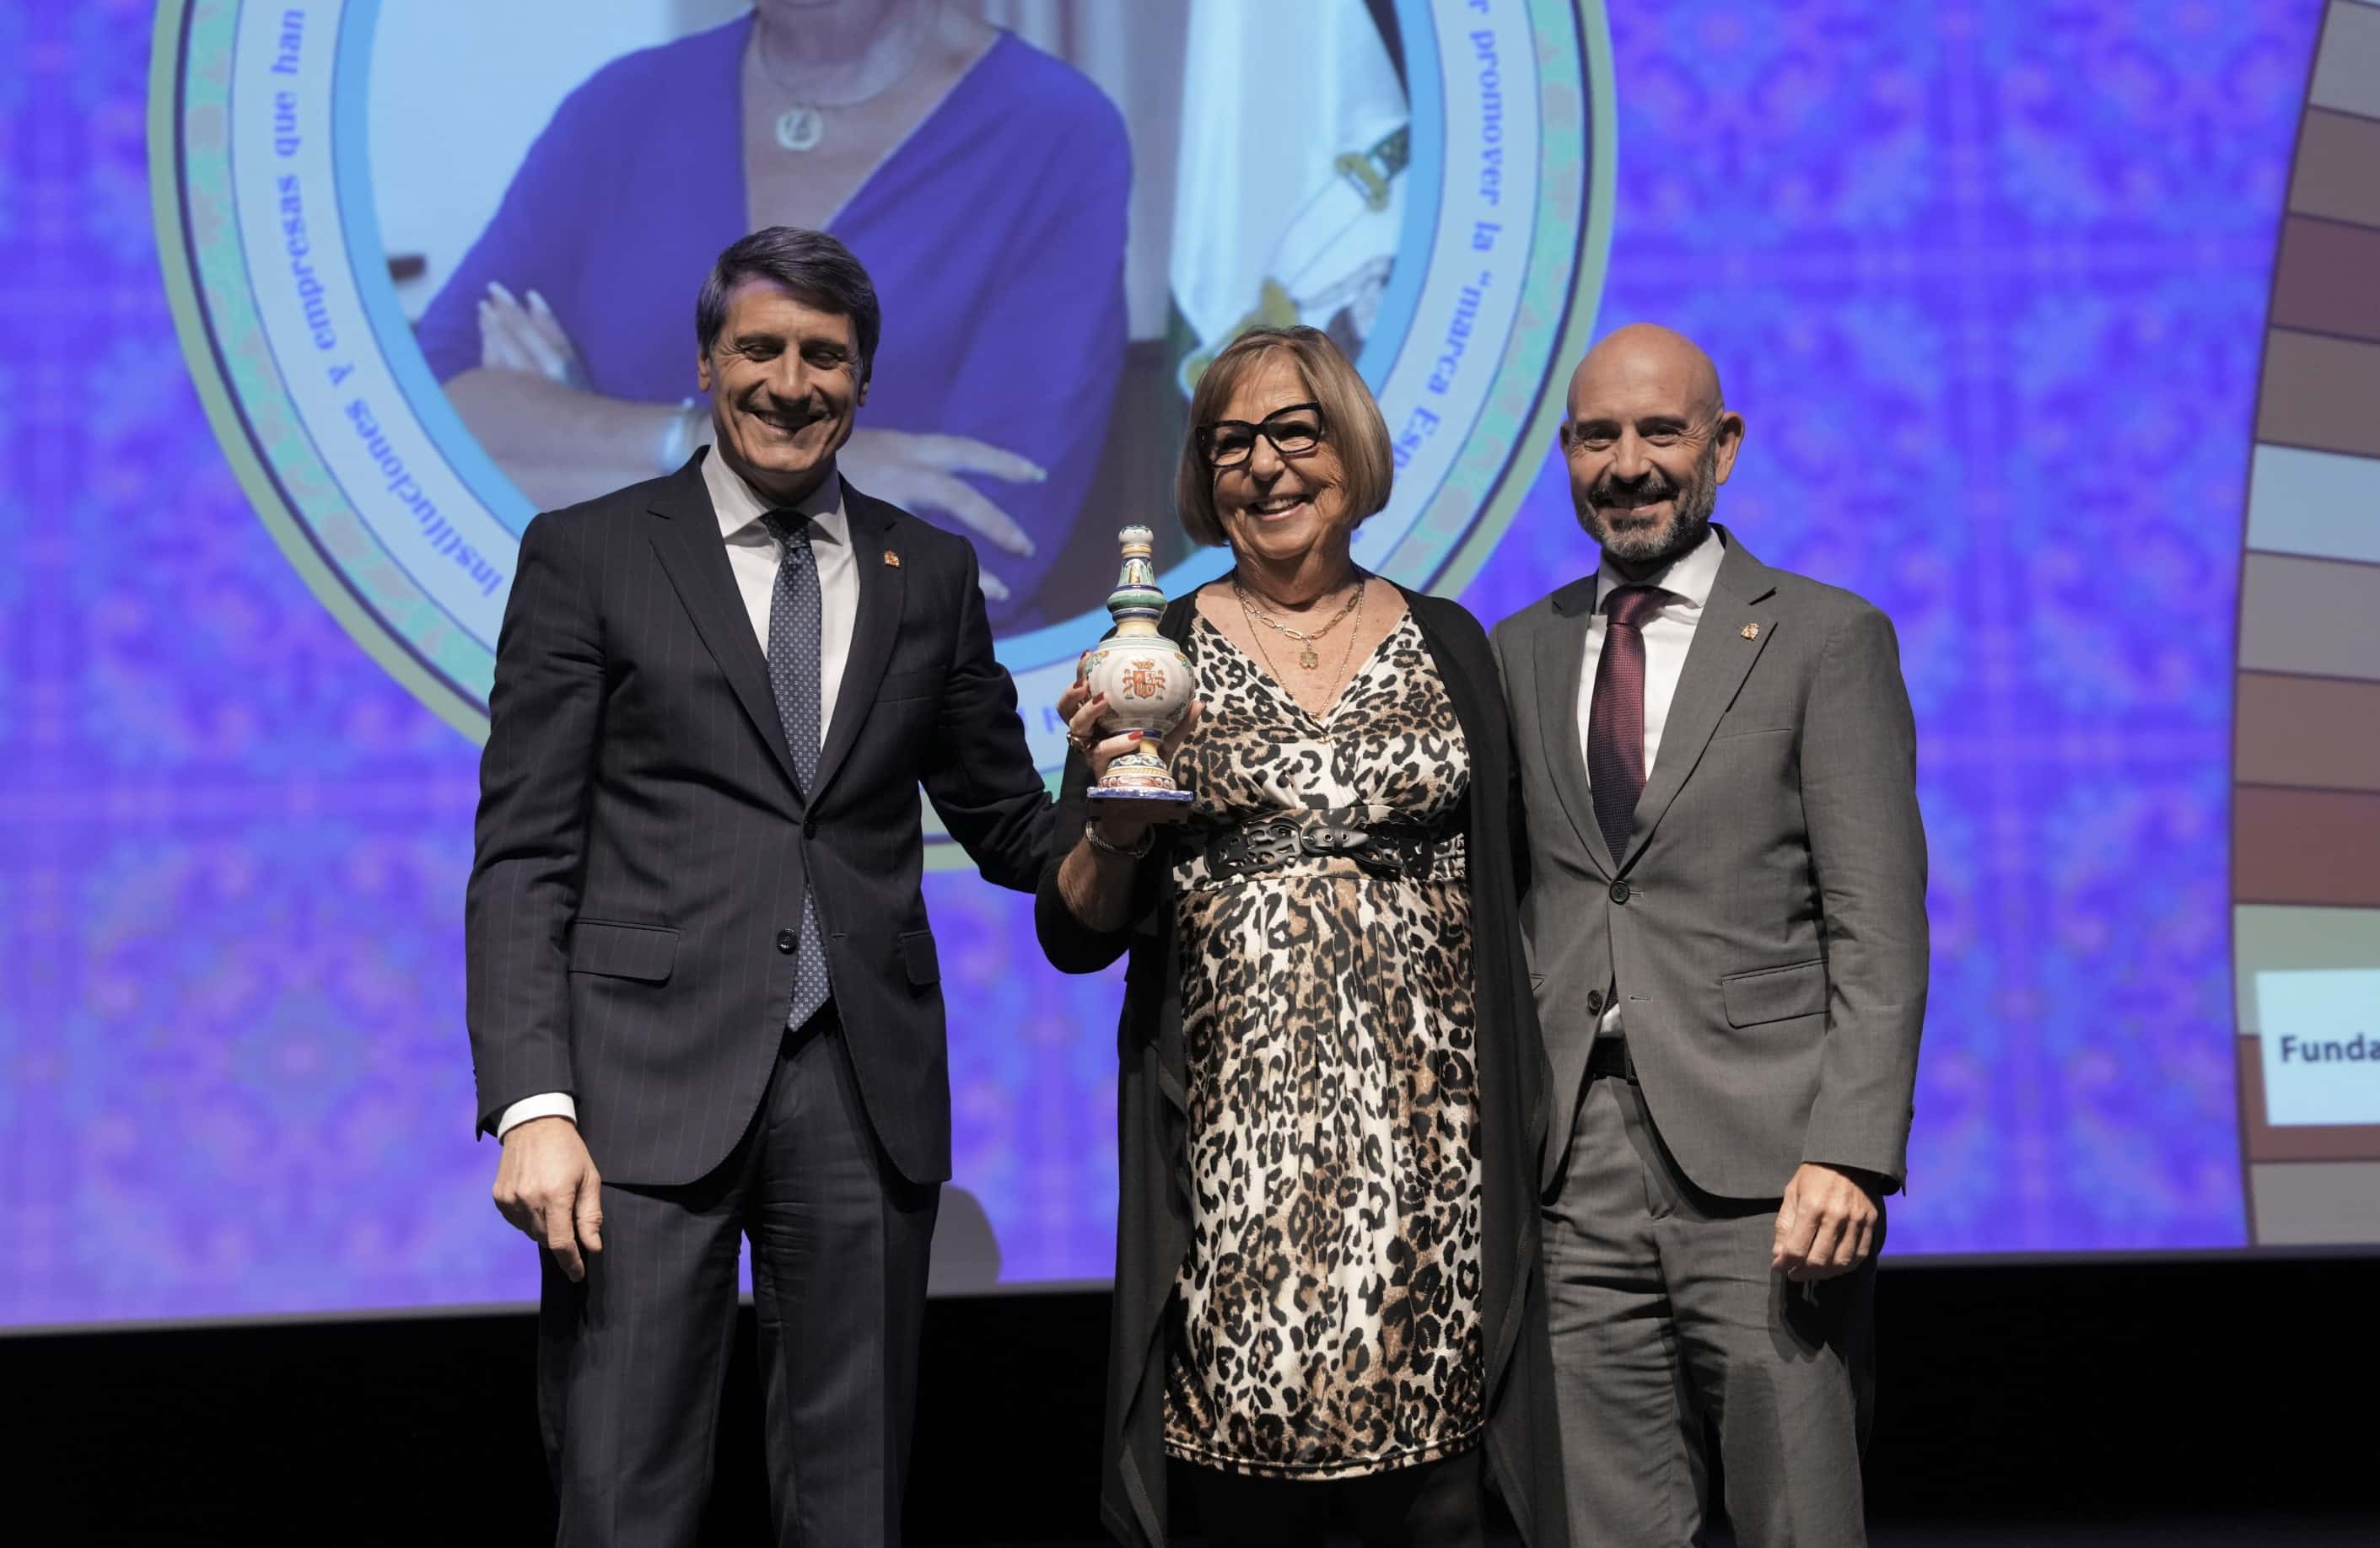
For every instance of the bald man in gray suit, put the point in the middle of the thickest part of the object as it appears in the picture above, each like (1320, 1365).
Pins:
(1726, 918)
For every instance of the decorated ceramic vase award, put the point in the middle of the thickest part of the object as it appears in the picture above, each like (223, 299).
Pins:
(1146, 678)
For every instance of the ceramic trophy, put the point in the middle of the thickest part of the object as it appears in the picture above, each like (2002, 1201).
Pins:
(1146, 678)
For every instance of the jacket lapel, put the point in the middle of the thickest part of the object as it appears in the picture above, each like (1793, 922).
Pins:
(881, 591)
(1716, 664)
(1559, 646)
(686, 541)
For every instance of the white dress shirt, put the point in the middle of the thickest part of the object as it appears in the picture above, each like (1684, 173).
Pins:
(754, 556)
(1668, 633)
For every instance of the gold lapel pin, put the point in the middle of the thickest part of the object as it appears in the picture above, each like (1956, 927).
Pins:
(893, 559)
(1751, 631)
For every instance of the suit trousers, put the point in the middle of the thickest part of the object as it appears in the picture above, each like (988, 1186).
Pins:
(1668, 1327)
(632, 1361)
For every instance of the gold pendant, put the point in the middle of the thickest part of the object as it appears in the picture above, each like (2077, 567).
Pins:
(1308, 660)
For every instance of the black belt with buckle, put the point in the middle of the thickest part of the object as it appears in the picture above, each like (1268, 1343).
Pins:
(1382, 849)
(1608, 1058)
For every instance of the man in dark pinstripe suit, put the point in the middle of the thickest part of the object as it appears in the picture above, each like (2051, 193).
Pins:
(704, 999)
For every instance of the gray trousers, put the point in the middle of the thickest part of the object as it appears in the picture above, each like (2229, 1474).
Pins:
(1668, 1325)
(632, 1361)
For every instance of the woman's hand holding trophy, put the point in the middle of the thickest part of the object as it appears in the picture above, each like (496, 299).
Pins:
(1130, 708)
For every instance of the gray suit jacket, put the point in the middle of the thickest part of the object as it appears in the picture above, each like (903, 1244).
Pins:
(1765, 930)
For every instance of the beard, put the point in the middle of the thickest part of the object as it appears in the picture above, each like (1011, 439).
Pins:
(1648, 545)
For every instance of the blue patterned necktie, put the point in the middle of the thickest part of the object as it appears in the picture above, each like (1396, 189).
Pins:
(794, 616)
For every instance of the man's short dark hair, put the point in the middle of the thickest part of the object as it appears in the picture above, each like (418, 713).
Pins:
(814, 266)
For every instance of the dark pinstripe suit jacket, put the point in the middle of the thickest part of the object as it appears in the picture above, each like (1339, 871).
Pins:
(641, 842)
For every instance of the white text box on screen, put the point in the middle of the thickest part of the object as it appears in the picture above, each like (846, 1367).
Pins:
(2321, 1038)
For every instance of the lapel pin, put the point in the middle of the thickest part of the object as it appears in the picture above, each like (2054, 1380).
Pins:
(1751, 631)
(893, 559)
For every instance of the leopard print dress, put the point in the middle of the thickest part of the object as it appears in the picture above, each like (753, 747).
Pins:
(1326, 1317)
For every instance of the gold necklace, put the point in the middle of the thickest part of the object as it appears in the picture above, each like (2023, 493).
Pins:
(1309, 660)
(1305, 657)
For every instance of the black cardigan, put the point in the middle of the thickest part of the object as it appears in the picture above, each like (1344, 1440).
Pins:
(1153, 1208)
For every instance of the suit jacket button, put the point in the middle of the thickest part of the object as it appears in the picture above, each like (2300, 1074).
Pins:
(787, 940)
(1619, 891)
(809, 829)
(1594, 1002)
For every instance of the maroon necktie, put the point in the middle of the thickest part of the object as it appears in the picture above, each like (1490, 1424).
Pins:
(1615, 721)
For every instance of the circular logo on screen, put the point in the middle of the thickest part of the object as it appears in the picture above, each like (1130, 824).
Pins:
(433, 268)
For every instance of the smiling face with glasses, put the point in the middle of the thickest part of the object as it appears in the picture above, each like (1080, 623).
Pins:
(1279, 487)
(1293, 432)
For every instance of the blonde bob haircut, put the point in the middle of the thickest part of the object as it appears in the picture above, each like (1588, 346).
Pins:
(1350, 423)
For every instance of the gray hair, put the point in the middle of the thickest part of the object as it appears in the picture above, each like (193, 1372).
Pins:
(813, 265)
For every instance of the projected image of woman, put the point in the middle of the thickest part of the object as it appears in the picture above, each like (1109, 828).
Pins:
(983, 182)
(1328, 1302)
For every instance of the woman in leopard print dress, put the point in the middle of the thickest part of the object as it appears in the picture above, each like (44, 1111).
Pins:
(1328, 1303)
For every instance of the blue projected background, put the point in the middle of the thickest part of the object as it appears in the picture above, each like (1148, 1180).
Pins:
(1987, 281)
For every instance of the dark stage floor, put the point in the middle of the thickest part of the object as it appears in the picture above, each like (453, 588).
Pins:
(2091, 1404)
(2169, 1532)
(2212, 1531)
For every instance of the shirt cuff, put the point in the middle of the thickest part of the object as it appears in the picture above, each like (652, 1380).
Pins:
(551, 1104)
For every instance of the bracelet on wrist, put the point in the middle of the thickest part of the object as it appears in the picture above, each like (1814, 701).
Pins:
(1122, 851)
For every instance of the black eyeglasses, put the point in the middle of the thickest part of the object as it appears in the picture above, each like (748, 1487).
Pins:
(1293, 432)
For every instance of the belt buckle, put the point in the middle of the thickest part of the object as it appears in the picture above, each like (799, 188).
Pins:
(1269, 844)
(1370, 851)
(1334, 838)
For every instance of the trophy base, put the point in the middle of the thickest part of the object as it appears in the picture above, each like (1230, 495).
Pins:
(1131, 795)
